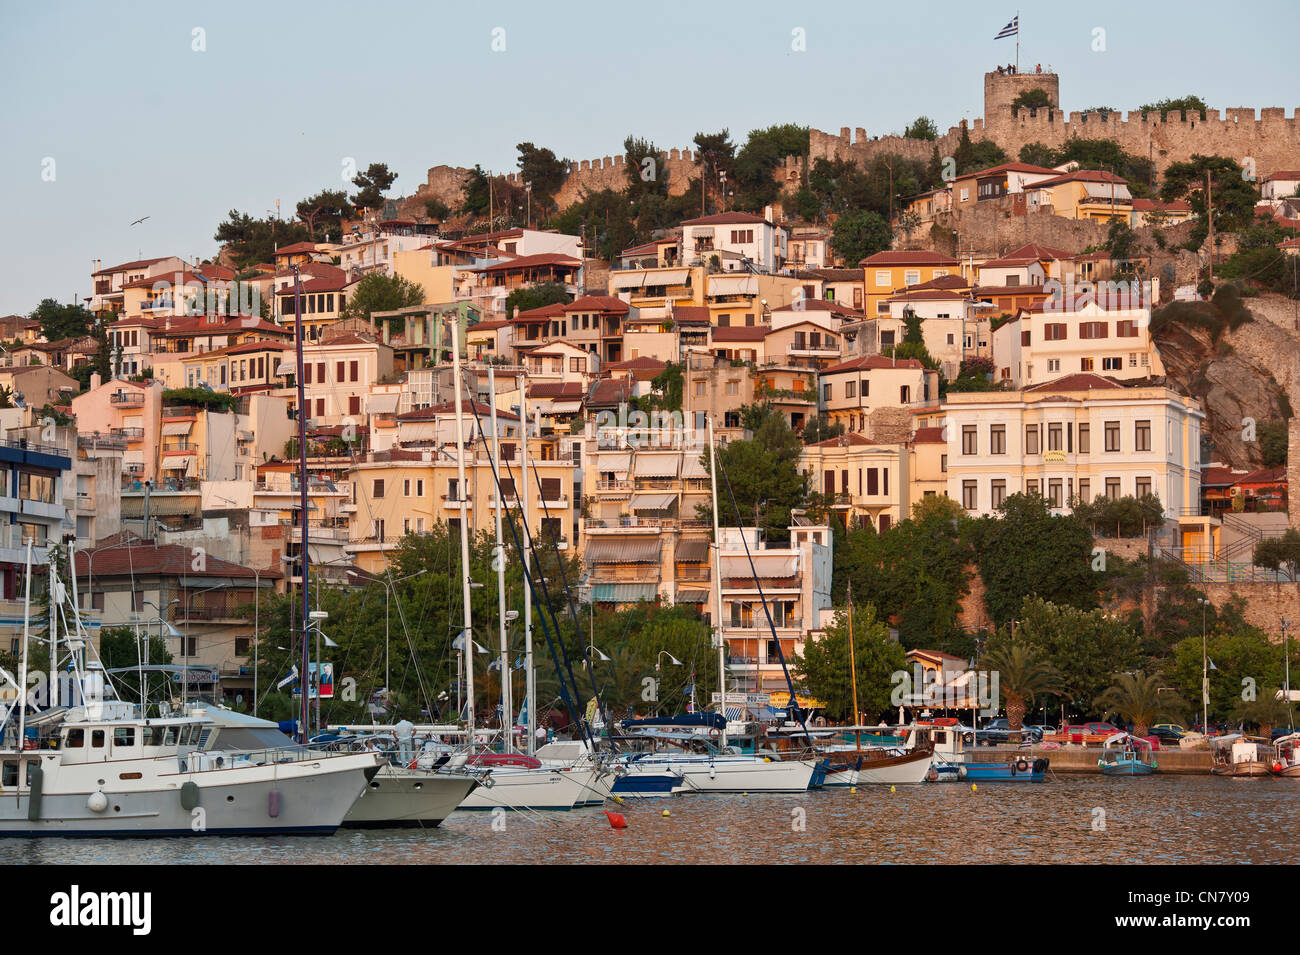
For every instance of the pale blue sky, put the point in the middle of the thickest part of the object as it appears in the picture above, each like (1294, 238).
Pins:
(138, 123)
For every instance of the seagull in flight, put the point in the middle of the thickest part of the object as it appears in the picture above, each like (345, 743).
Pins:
(138, 221)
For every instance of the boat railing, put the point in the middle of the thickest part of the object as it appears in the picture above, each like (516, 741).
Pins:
(200, 761)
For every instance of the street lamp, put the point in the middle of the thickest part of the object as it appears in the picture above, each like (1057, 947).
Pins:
(662, 653)
(1205, 673)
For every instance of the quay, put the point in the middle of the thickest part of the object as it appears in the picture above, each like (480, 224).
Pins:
(1072, 758)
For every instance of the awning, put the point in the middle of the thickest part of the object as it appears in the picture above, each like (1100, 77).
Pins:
(612, 550)
(693, 551)
(765, 565)
(618, 463)
(565, 407)
(668, 277)
(382, 404)
(693, 467)
(623, 593)
(626, 280)
(175, 428)
(657, 465)
(692, 596)
(735, 713)
(1103, 190)
(653, 502)
(733, 285)
(133, 457)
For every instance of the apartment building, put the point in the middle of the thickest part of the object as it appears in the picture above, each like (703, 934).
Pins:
(1082, 435)
(131, 410)
(889, 272)
(795, 581)
(736, 242)
(865, 484)
(1109, 336)
(850, 391)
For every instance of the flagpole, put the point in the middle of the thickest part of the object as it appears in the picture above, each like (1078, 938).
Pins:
(1017, 42)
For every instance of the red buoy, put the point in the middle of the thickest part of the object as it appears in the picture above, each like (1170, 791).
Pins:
(616, 820)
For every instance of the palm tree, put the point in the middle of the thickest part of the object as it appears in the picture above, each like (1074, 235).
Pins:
(1023, 675)
(1135, 698)
(1266, 711)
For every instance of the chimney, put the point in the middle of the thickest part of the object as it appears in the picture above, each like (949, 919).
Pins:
(95, 381)
(767, 214)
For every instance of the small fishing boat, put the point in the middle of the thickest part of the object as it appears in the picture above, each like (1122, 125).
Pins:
(1239, 755)
(1286, 756)
(1017, 769)
(878, 766)
(1126, 755)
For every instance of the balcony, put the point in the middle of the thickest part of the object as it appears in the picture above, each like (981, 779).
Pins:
(453, 503)
(98, 441)
(126, 399)
(132, 435)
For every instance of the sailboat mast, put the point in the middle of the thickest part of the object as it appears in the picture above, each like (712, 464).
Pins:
(22, 662)
(507, 708)
(303, 680)
(467, 634)
(530, 677)
(853, 669)
(717, 583)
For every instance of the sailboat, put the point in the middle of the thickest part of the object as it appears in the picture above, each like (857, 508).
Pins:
(98, 766)
(400, 794)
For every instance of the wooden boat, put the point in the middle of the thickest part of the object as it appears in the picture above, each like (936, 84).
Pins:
(876, 766)
(1240, 755)
(1126, 755)
(1286, 756)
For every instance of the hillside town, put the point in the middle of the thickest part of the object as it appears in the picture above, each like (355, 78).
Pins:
(941, 349)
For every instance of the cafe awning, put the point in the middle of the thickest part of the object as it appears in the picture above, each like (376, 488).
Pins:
(618, 463)
(176, 428)
(693, 551)
(692, 596)
(565, 407)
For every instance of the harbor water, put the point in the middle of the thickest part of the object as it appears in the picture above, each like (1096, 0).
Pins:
(1066, 820)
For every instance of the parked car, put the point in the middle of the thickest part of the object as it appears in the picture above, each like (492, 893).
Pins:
(1043, 729)
(1166, 732)
(999, 731)
(1171, 727)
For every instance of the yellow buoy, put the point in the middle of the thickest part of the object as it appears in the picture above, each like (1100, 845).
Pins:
(617, 799)
(892, 789)
(853, 789)
(667, 813)
(973, 787)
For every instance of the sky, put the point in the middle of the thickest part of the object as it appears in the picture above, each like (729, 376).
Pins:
(183, 111)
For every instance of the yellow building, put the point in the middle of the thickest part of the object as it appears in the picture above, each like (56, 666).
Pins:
(865, 484)
(891, 271)
(408, 490)
(1085, 194)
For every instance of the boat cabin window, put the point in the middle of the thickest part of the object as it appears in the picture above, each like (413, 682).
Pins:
(191, 735)
(76, 738)
(123, 735)
(97, 739)
(940, 736)
(151, 736)
(9, 774)
(171, 736)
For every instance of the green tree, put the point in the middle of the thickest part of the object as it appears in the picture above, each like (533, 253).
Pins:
(1232, 196)
(715, 154)
(62, 321)
(762, 473)
(859, 235)
(1053, 557)
(1268, 709)
(922, 128)
(253, 241)
(535, 296)
(371, 186)
(324, 213)
(646, 168)
(972, 157)
(546, 172)
(1035, 98)
(436, 209)
(824, 671)
(764, 150)
(1136, 698)
(1280, 553)
(1243, 658)
(1183, 104)
(1084, 646)
(1273, 441)
(1024, 674)
(475, 191)
(821, 428)
(377, 292)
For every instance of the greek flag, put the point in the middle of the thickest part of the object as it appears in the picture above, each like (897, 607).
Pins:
(1011, 29)
(292, 677)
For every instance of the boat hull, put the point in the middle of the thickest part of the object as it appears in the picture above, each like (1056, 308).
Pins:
(1126, 769)
(1031, 772)
(734, 774)
(539, 789)
(408, 798)
(1245, 769)
(307, 797)
(868, 769)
